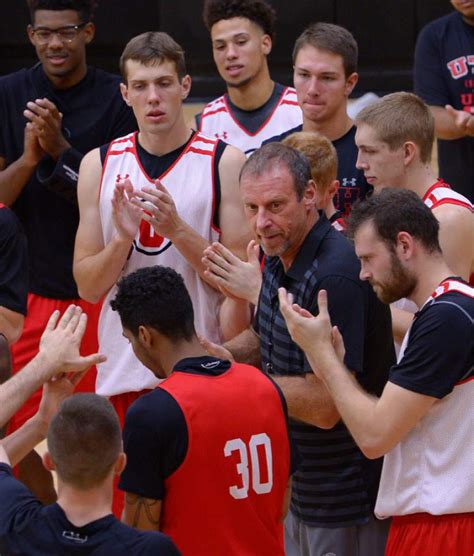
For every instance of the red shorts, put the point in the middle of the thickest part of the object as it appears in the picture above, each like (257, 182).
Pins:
(431, 535)
(23, 351)
(121, 403)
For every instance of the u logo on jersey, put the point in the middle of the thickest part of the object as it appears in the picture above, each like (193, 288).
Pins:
(149, 242)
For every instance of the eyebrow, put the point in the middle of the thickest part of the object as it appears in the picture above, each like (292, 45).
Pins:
(242, 34)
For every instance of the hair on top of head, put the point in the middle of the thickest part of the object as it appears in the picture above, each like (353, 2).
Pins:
(320, 152)
(331, 38)
(156, 297)
(84, 440)
(398, 118)
(257, 11)
(86, 8)
(153, 47)
(395, 210)
(276, 154)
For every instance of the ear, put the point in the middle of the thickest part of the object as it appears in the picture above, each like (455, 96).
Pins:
(405, 245)
(310, 195)
(410, 151)
(144, 336)
(48, 462)
(124, 91)
(351, 82)
(89, 32)
(30, 33)
(333, 188)
(120, 463)
(266, 44)
(185, 86)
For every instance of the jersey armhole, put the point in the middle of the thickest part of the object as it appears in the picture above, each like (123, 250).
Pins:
(220, 148)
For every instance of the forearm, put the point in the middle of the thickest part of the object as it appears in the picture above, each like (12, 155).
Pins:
(308, 400)
(13, 179)
(15, 392)
(11, 324)
(245, 347)
(96, 274)
(356, 407)
(235, 316)
(445, 126)
(20, 443)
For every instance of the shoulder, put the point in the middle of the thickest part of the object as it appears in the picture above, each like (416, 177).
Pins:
(105, 79)
(279, 138)
(14, 78)
(9, 223)
(153, 412)
(143, 542)
(434, 30)
(217, 104)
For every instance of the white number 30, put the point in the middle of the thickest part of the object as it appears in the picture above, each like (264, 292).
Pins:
(238, 445)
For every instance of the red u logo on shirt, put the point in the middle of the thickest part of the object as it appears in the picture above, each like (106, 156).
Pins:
(149, 242)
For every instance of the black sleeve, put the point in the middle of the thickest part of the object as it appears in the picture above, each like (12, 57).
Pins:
(347, 309)
(439, 351)
(13, 263)
(428, 73)
(17, 504)
(155, 438)
(61, 176)
(124, 121)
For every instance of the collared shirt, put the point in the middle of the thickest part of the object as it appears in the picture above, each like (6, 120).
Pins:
(335, 486)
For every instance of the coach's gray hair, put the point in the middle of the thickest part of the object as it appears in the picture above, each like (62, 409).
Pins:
(274, 154)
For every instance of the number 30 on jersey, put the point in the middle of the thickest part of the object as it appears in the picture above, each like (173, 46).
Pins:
(251, 479)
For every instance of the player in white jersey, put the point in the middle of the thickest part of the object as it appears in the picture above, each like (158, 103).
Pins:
(395, 138)
(254, 107)
(422, 423)
(153, 199)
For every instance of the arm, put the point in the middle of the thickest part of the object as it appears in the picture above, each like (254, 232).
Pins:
(377, 425)
(451, 123)
(456, 238)
(401, 321)
(11, 324)
(58, 353)
(141, 513)
(97, 267)
(15, 176)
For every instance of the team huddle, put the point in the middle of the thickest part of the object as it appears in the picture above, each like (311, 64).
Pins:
(247, 334)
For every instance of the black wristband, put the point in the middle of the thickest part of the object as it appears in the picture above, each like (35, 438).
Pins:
(61, 177)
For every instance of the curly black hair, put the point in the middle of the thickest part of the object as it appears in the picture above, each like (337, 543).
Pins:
(257, 11)
(155, 296)
(86, 8)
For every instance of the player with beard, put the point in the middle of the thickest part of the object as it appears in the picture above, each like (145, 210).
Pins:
(426, 482)
(254, 107)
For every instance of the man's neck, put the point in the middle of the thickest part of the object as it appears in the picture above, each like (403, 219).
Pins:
(333, 129)
(419, 179)
(171, 353)
(433, 270)
(83, 507)
(254, 94)
(160, 144)
(290, 255)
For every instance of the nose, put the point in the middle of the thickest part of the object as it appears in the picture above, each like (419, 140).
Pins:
(231, 51)
(313, 88)
(364, 273)
(55, 41)
(153, 95)
(361, 163)
(262, 221)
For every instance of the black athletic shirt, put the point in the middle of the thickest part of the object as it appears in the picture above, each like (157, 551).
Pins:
(155, 166)
(27, 528)
(93, 114)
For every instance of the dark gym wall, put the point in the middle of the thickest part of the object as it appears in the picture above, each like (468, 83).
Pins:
(385, 30)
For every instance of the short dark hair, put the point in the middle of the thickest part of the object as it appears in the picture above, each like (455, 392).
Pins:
(396, 210)
(274, 154)
(332, 38)
(401, 117)
(153, 47)
(84, 440)
(86, 8)
(257, 11)
(155, 296)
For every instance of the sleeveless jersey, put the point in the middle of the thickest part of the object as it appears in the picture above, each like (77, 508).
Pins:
(217, 120)
(227, 495)
(430, 470)
(190, 181)
(441, 194)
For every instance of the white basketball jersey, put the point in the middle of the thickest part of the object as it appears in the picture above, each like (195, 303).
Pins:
(431, 469)
(217, 120)
(441, 194)
(190, 182)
